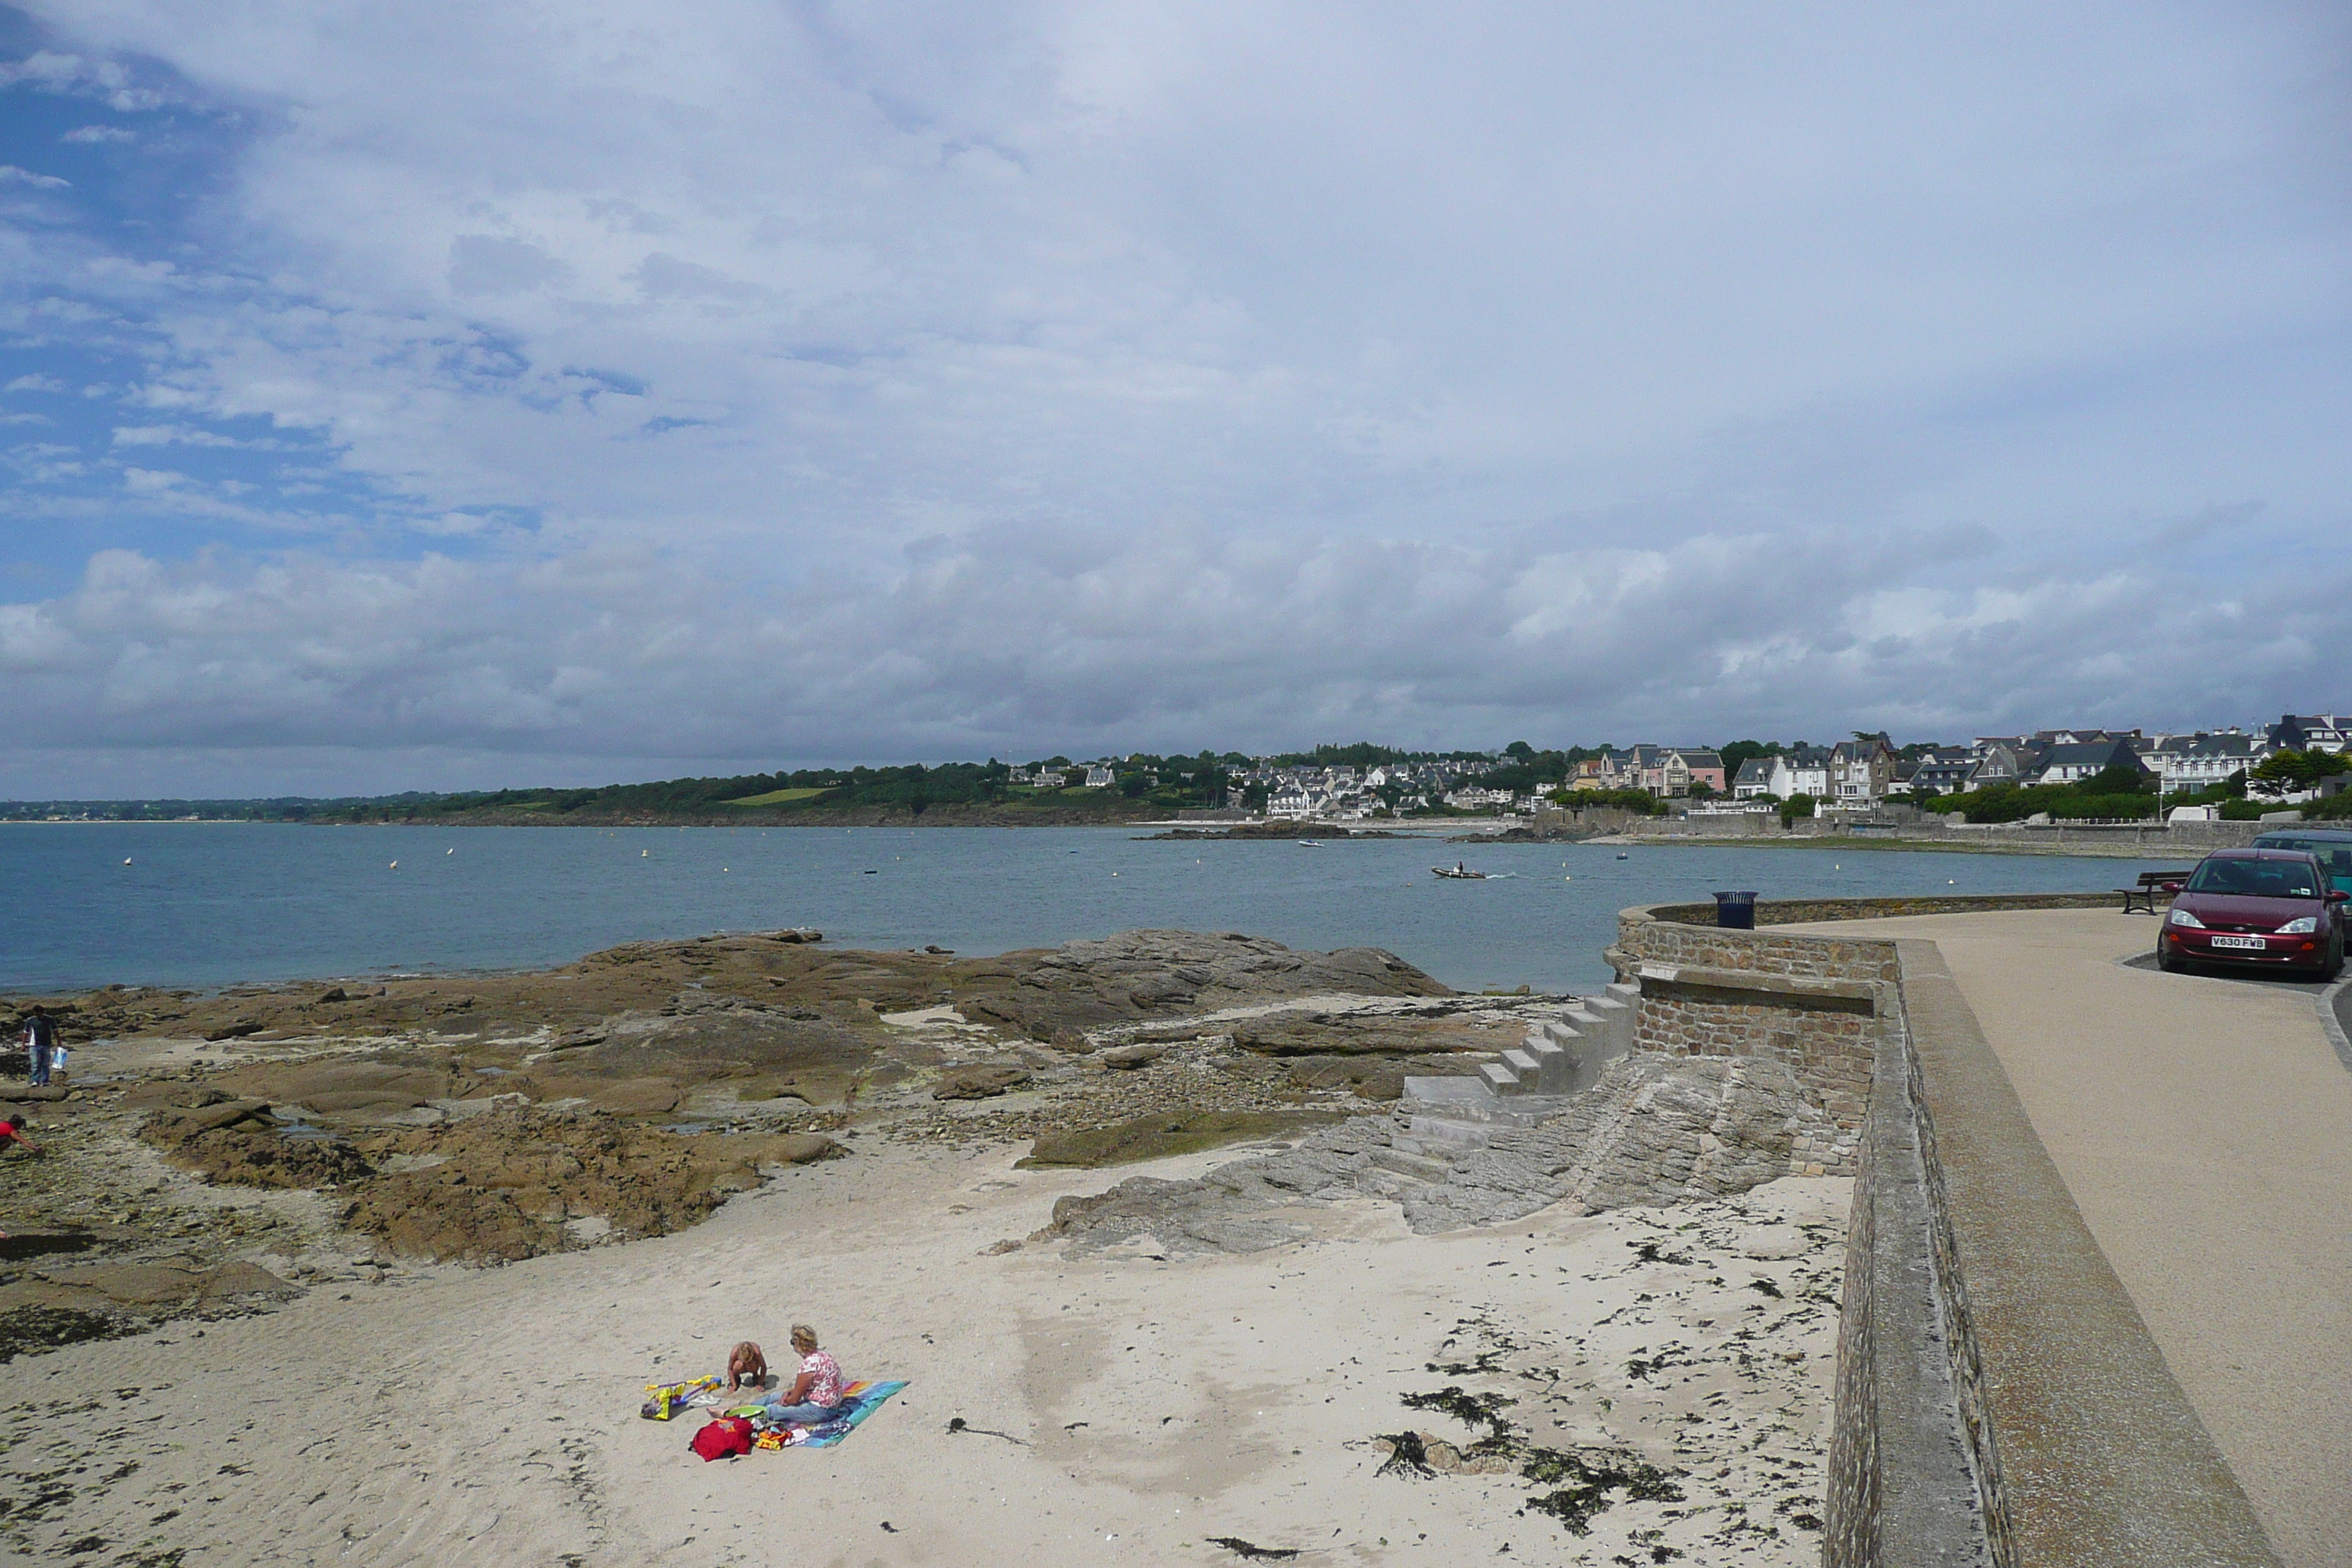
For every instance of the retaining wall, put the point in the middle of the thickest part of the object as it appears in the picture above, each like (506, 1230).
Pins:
(1998, 1400)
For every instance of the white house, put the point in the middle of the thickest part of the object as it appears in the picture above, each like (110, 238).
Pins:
(2202, 760)
(1100, 777)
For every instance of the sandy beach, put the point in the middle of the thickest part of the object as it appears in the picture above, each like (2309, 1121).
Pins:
(380, 1274)
(1119, 1407)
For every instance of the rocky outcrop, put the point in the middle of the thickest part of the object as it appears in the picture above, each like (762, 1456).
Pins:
(1653, 1130)
(238, 1143)
(1141, 974)
(515, 1183)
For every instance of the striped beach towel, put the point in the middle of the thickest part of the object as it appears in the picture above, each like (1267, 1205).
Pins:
(858, 1401)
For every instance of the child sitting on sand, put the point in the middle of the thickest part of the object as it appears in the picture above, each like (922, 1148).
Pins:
(746, 1365)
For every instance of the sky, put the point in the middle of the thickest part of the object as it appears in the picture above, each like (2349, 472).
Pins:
(448, 395)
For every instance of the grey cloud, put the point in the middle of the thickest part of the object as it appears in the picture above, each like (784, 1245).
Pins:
(486, 264)
(1010, 642)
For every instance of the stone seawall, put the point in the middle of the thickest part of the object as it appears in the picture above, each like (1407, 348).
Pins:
(1820, 1005)
(1909, 829)
(1999, 1398)
(1914, 1477)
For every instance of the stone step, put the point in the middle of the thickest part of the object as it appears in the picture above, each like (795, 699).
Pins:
(1527, 1073)
(1499, 1077)
(1555, 1068)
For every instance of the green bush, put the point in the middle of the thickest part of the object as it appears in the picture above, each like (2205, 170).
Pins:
(1639, 800)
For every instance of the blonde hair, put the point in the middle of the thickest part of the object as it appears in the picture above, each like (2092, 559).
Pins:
(803, 1336)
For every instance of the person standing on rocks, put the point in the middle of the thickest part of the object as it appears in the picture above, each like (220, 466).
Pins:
(40, 1044)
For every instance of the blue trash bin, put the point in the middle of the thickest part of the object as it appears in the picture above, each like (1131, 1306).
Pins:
(1735, 912)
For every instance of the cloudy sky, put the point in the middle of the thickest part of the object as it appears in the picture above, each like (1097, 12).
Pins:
(445, 395)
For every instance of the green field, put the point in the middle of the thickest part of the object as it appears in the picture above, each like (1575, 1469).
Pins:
(779, 796)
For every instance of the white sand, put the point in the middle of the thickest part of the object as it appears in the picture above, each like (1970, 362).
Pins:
(462, 1417)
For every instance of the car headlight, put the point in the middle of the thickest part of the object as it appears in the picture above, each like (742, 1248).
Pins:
(2183, 918)
(2302, 927)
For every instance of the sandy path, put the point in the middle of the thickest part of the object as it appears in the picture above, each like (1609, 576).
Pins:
(2204, 1126)
(478, 1417)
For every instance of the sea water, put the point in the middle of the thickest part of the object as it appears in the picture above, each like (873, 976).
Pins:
(207, 905)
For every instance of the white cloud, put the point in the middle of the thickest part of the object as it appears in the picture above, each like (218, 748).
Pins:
(35, 384)
(1299, 373)
(99, 135)
(10, 174)
(182, 435)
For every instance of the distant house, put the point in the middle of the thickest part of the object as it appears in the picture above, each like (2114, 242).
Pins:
(2073, 764)
(1996, 763)
(1049, 778)
(1289, 800)
(1700, 766)
(1100, 777)
(2310, 732)
(1762, 778)
(2202, 760)
(1019, 776)
(1861, 770)
(1942, 777)
(1809, 772)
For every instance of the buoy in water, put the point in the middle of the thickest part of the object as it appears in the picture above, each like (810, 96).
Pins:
(451, 850)
(396, 865)
(126, 859)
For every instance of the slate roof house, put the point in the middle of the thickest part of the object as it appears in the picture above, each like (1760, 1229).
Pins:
(1861, 770)
(2073, 764)
(2307, 732)
(2202, 760)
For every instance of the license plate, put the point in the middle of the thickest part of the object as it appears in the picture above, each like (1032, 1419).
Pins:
(2249, 943)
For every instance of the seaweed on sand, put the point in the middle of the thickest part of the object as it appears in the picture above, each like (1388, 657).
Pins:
(1470, 1409)
(24, 1331)
(1582, 1481)
(1408, 1456)
(1250, 1552)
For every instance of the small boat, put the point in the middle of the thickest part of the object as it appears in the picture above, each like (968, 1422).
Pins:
(1622, 855)
(1310, 844)
(1457, 872)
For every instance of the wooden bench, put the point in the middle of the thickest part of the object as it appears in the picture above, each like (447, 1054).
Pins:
(2142, 899)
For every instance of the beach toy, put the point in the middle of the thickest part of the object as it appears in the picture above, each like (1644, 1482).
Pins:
(670, 1398)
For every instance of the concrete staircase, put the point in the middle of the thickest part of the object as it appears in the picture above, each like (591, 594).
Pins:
(1447, 1117)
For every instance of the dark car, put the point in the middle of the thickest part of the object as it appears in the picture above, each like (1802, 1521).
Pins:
(2273, 908)
(2332, 846)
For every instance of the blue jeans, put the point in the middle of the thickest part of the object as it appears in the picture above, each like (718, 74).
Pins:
(802, 1415)
(39, 1062)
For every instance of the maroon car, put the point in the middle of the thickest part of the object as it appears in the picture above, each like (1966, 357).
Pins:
(2268, 907)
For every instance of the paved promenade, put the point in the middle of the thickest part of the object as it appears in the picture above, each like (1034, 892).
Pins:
(2204, 1129)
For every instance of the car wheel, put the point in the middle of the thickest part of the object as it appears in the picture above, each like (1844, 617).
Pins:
(2168, 965)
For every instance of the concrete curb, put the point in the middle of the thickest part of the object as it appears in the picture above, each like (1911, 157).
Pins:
(2335, 1017)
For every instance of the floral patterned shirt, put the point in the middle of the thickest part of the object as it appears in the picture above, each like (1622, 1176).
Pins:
(824, 1385)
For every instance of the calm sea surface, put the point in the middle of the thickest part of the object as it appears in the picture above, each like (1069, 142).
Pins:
(206, 905)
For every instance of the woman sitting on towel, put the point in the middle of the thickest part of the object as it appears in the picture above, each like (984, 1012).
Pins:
(815, 1394)
(747, 1366)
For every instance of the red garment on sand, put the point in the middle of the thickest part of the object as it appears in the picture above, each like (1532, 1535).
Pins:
(726, 1435)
